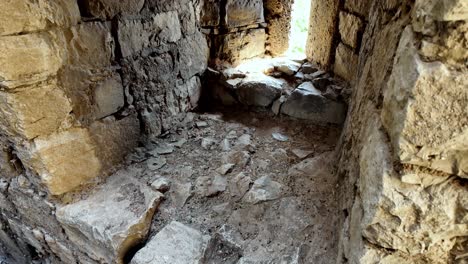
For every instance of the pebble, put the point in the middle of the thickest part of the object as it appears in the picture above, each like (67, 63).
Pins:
(302, 154)
(161, 184)
(207, 143)
(280, 137)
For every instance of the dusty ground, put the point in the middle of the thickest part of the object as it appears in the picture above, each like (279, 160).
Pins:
(288, 219)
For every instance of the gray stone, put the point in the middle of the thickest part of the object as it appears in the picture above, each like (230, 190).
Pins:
(193, 55)
(162, 149)
(243, 12)
(226, 168)
(161, 184)
(350, 28)
(264, 189)
(244, 140)
(287, 67)
(239, 185)
(280, 137)
(221, 250)
(225, 145)
(176, 243)
(208, 143)
(306, 102)
(109, 97)
(180, 193)
(156, 163)
(302, 154)
(209, 186)
(240, 158)
(260, 90)
(276, 107)
(308, 68)
(111, 220)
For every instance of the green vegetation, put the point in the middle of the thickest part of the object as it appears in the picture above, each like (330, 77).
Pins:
(299, 27)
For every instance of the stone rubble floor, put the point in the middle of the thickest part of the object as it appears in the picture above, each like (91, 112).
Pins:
(251, 187)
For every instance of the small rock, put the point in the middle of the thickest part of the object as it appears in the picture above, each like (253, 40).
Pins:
(209, 186)
(299, 76)
(322, 83)
(280, 137)
(180, 142)
(244, 140)
(287, 67)
(331, 94)
(240, 158)
(22, 181)
(220, 250)
(280, 155)
(207, 143)
(156, 163)
(225, 169)
(308, 68)
(239, 185)
(201, 124)
(276, 107)
(162, 149)
(263, 189)
(302, 154)
(161, 184)
(231, 135)
(260, 90)
(225, 145)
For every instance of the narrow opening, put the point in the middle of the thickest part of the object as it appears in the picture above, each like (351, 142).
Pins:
(300, 16)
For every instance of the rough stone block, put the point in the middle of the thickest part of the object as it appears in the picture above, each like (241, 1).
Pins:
(260, 90)
(306, 102)
(278, 32)
(21, 16)
(107, 9)
(345, 62)
(398, 215)
(243, 12)
(111, 220)
(323, 18)
(210, 13)
(69, 159)
(26, 59)
(238, 47)
(361, 7)
(443, 10)
(109, 97)
(350, 27)
(194, 54)
(136, 35)
(176, 243)
(34, 110)
(424, 111)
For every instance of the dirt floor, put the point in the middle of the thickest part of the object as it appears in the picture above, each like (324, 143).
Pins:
(262, 184)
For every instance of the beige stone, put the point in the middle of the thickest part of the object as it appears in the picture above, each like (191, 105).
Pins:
(21, 16)
(113, 219)
(321, 31)
(107, 9)
(35, 110)
(424, 111)
(109, 97)
(442, 10)
(350, 27)
(244, 12)
(361, 7)
(239, 47)
(26, 59)
(345, 62)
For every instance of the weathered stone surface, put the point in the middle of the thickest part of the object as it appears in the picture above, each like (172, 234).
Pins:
(443, 10)
(34, 110)
(306, 102)
(21, 16)
(278, 19)
(95, 150)
(350, 28)
(111, 220)
(109, 97)
(107, 9)
(137, 35)
(210, 13)
(260, 90)
(243, 12)
(193, 55)
(176, 243)
(361, 7)
(417, 221)
(424, 111)
(238, 47)
(264, 189)
(345, 62)
(43, 53)
(320, 41)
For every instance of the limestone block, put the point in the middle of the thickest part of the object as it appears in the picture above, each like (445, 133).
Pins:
(361, 7)
(323, 18)
(345, 62)
(419, 221)
(193, 59)
(136, 35)
(260, 90)
(210, 13)
(7, 169)
(34, 110)
(107, 9)
(21, 16)
(69, 159)
(113, 219)
(243, 12)
(109, 97)
(306, 102)
(175, 243)
(238, 47)
(350, 27)
(442, 10)
(278, 32)
(30, 58)
(424, 111)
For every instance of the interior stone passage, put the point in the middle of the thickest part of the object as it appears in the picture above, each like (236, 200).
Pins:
(233, 131)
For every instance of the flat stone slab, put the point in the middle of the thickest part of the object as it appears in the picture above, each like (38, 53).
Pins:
(113, 219)
(176, 243)
(306, 102)
(260, 90)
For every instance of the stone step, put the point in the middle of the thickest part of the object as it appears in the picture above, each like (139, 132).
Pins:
(113, 219)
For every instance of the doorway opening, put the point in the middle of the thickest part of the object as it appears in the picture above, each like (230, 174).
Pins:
(298, 33)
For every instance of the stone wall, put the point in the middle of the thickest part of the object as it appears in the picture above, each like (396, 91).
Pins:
(81, 84)
(402, 157)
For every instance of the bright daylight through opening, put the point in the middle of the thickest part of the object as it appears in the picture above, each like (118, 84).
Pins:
(299, 26)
